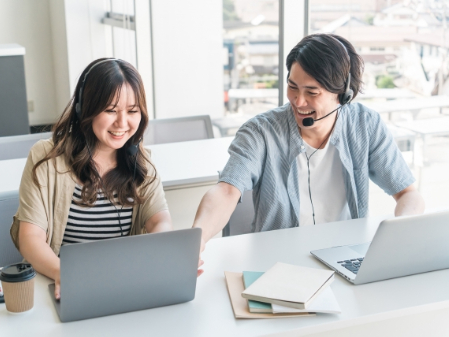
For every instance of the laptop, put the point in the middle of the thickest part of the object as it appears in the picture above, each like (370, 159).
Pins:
(125, 274)
(401, 246)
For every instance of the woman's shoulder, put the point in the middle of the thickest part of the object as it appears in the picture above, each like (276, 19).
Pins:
(41, 148)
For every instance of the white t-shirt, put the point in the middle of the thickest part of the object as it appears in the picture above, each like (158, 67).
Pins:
(327, 186)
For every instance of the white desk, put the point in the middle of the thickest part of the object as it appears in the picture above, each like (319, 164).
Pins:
(427, 128)
(179, 164)
(210, 314)
(414, 105)
(187, 170)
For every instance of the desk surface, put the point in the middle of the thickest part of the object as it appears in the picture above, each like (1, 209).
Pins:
(210, 313)
(179, 164)
(430, 126)
(412, 104)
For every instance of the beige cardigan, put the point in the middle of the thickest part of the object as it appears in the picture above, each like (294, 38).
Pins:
(48, 206)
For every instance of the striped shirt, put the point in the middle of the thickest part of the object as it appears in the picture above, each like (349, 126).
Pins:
(99, 222)
(263, 159)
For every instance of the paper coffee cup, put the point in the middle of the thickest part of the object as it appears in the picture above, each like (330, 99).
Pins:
(18, 287)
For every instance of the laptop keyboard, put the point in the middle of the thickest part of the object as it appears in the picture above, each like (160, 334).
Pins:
(352, 265)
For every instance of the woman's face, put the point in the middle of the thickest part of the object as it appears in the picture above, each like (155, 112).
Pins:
(115, 125)
(307, 97)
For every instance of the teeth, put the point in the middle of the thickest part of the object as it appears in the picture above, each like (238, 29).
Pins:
(305, 112)
(117, 133)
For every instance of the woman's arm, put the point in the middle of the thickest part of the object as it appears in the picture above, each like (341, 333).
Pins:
(35, 249)
(159, 222)
(408, 202)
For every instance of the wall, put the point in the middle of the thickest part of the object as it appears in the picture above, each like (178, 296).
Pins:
(188, 60)
(28, 23)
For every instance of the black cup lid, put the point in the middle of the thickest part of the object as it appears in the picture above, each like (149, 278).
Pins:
(18, 272)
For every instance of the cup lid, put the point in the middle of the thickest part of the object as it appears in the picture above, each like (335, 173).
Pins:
(18, 272)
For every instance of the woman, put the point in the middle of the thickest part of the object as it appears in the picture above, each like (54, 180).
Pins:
(93, 180)
(310, 161)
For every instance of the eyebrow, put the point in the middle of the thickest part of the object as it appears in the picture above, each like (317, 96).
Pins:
(307, 87)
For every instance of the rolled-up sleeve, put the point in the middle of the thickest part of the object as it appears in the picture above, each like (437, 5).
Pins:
(247, 154)
(387, 167)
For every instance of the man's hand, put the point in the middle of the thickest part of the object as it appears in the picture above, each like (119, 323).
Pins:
(201, 262)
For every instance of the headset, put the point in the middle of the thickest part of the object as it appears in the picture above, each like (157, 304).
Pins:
(132, 150)
(343, 99)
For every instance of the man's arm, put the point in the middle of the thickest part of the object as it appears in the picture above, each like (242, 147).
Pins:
(408, 202)
(215, 209)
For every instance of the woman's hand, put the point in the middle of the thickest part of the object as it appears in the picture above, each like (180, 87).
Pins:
(58, 287)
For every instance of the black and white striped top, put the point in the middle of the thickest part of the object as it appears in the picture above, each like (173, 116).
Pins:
(98, 222)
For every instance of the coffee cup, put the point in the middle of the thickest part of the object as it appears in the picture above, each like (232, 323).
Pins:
(18, 287)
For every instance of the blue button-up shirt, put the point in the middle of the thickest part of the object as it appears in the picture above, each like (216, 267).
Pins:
(263, 159)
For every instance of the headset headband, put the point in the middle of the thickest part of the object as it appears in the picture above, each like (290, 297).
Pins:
(78, 106)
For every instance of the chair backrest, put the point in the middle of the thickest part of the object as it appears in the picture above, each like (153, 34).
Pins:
(14, 147)
(9, 202)
(242, 218)
(181, 129)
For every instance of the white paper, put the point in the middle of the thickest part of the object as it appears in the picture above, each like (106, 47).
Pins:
(323, 303)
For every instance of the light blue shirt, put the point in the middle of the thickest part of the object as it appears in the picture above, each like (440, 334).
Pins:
(263, 159)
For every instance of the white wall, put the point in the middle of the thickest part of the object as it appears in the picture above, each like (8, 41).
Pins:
(187, 49)
(62, 36)
(28, 23)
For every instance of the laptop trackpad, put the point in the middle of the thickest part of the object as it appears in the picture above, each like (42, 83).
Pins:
(361, 249)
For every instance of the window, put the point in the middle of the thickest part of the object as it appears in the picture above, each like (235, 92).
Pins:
(405, 75)
(251, 68)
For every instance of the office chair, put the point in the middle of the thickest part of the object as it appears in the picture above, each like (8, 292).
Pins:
(171, 130)
(14, 147)
(242, 218)
(9, 202)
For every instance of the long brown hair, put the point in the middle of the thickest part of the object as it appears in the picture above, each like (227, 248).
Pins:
(74, 138)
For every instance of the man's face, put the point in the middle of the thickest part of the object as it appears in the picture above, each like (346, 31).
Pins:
(307, 97)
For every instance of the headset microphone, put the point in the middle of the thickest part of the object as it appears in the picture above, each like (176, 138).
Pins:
(133, 149)
(344, 99)
(309, 121)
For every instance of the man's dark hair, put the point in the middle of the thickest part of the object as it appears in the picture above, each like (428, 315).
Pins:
(323, 57)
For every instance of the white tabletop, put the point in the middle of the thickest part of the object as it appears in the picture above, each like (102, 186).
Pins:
(210, 313)
(194, 162)
(11, 49)
(411, 104)
(430, 126)
(179, 164)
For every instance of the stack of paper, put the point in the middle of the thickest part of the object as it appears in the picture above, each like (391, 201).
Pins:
(286, 290)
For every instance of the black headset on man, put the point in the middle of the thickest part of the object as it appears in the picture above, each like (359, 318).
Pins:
(132, 150)
(344, 98)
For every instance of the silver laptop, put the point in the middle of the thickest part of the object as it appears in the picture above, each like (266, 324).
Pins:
(401, 246)
(126, 274)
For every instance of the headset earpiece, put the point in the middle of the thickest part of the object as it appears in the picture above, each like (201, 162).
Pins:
(346, 97)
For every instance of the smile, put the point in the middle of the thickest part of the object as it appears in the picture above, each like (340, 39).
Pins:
(305, 112)
(117, 133)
